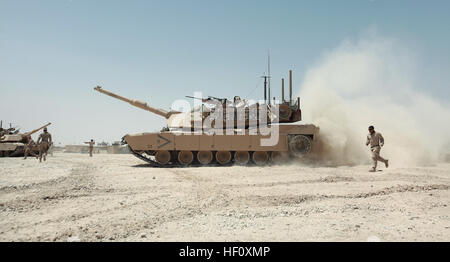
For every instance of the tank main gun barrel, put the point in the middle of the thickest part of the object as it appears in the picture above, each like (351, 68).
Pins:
(36, 130)
(136, 103)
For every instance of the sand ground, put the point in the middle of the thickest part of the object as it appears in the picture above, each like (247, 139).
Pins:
(116, 198)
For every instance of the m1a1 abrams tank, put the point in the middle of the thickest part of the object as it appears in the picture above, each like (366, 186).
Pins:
(229, 131)
(13, 144)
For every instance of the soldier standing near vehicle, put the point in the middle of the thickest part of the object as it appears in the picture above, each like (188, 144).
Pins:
(29, 148)
(44, 142)
(91, 146)
(376, 141)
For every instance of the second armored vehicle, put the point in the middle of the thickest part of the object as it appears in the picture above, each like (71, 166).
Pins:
(13, 144)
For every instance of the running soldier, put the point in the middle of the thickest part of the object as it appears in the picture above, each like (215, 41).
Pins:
(44, 142)
(376, 141)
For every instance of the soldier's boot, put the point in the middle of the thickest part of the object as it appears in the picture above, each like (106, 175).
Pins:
(374, 164)
(386, 163)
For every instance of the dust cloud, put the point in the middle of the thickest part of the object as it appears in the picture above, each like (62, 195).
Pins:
(371, 81)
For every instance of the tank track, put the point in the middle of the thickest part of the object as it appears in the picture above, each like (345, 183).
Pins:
(152, 162)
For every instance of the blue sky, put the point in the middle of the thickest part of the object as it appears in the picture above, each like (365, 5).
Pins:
(52, 53)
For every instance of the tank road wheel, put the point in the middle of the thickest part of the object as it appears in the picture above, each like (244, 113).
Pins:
(241, 157)
(300, 145)
(162, 157)
(204, 157)
(279, 157)
(223, 157)
(260, 157)
(185, 157)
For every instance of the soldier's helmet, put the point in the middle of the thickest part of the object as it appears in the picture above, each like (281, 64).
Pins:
(45, 129)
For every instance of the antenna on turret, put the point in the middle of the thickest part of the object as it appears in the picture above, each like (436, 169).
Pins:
(268, 71)
(290, 87)
(267, 82)
(265, 88)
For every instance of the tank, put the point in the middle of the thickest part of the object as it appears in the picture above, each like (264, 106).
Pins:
(193, 138)
(12, 144)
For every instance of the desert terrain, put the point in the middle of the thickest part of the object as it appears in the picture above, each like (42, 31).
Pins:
(72, 197)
